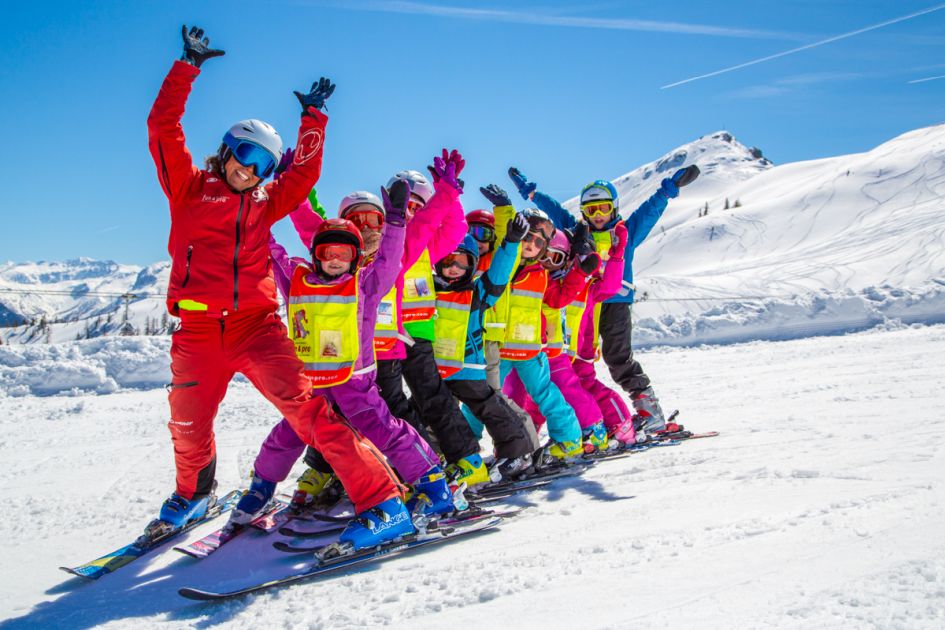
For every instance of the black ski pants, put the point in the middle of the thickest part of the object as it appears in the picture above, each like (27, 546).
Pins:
(615, 332)
(505, 427)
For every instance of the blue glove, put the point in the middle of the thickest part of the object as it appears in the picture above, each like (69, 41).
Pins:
(525, 187)
(317, 95)
(669, 188)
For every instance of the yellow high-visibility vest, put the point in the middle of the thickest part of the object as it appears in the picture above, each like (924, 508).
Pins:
(523, 324)
(419, 300)
(451, 327)
(323, 325)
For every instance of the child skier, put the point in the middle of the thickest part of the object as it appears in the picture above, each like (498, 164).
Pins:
(222, 290)
(332, 308)
(435, 229)
(461, 302)
(523, 365)
(600, 410)
(600, 206)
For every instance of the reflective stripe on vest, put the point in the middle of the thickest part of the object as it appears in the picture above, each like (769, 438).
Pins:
(450, 331)
(523, 326)
(554, 344)
(573, 314)
(323, 324)
(386, 331)
(419, 302)
(603, 242)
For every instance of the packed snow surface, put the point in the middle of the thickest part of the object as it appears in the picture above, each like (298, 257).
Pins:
(820, 505)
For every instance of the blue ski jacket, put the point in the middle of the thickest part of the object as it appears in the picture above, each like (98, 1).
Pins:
(639, 224)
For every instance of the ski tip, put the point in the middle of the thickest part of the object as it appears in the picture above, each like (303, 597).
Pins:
(78, 572)
(196, 594)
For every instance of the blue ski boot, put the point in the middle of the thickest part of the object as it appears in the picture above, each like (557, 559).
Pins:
(382, 523)
(178, 511)
(254, 502)
(431, 494)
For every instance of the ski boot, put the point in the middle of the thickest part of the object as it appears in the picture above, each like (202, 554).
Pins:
(649, 418)
(509, 468)
(470, 470)
(380, 524)
(566, 452)
(625, 434)
(254, 502)
(178, 511)
(594, 438)
(430, 495)
(316, 488)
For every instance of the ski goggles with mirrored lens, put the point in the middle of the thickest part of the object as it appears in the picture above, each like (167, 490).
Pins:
(554, 257)
(413, 205)
(250, 154)
(335, 251)
(482, 233)
(367, 218)
(456, 260)
(598, 209)
(538, 241)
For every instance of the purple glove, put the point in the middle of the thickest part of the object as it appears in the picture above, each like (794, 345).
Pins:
(447, 168)
(287, 157)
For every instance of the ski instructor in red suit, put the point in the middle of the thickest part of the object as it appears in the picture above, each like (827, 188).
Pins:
(222, 288)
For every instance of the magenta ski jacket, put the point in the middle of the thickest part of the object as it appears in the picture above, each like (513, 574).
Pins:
(600, 289)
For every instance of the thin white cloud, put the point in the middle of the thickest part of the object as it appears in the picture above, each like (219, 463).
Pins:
(807, 46)
(793, 84)
(108, 229)
(927, 79)
(518, 17)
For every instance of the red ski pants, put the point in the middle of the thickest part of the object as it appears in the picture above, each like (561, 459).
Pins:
(205, 354)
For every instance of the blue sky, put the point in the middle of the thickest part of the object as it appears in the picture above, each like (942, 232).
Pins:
(567, 91)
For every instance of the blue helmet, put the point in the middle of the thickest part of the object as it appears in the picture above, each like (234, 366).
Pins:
(600, 190)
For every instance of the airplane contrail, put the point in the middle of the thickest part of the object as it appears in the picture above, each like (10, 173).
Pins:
(926, 79)
(807, 46)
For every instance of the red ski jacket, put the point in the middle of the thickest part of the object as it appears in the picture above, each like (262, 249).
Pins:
(219, 240)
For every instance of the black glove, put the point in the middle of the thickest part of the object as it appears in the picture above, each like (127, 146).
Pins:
(517, 228)
(395, 202)
(581, 245)
(589, 264)
(495, 195)
(685, 176)
(197, 47)
(317, 96)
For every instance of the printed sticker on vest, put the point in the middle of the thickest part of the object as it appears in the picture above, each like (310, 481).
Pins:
(523, 332)
(444, 347)
(385, 313)
(418, 288)
(329, 343)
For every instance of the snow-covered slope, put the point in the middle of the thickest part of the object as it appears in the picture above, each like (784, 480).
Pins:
(833, 245)
(81, 298)
(811, 510)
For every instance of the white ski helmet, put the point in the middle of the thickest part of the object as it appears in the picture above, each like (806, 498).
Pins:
(253, 143)
(419, 185)
(600, 190)
(359, 198)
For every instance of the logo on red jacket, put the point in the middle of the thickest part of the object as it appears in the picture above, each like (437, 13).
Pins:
(259, 194)
(309, 144)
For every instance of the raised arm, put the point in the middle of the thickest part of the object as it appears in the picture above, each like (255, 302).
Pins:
(378, 277)
(611, 281)
(293, 186)
(492, 283)
(529, 192)
(306, 221)
(175, 165)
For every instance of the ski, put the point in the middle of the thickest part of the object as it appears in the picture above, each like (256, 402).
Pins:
(529, 482)
(346, 561)
(113, 561)
(214, 540)
(472, 514)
